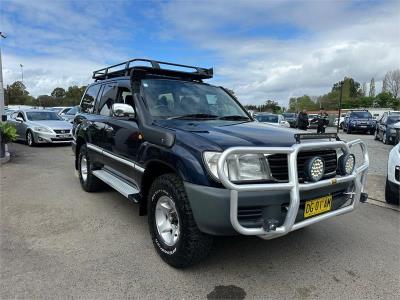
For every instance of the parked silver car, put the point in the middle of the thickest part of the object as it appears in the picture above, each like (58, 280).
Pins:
(41, 126)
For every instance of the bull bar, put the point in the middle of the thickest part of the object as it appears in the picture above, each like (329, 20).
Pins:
(358, 177)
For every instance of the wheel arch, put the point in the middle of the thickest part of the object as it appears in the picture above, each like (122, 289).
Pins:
(153, 170)
(79, 142)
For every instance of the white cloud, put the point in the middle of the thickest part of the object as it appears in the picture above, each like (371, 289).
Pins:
(340, 39)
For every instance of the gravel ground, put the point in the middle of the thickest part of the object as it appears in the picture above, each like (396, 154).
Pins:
(58, 241)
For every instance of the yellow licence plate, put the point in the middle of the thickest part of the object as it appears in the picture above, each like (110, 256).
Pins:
(317, 206)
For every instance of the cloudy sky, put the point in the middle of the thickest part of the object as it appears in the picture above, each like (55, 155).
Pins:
(260, 49)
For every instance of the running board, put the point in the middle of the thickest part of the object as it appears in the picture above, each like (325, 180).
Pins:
(118, 184)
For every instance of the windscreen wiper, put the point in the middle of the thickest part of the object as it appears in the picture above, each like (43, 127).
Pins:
(234, 118)
(195, 116)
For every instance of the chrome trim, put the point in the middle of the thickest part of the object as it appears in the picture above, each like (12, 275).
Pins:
(358, 177)
(125, 161)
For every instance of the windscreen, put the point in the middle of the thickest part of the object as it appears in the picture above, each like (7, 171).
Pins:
(361, 115)
(172, 98)
(267, 118)
(393, 119)
(289, 115)
(42, 116)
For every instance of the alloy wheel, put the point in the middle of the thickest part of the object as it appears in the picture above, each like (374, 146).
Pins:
(167, 220)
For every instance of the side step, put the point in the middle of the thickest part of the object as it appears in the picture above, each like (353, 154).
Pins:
(118, 184)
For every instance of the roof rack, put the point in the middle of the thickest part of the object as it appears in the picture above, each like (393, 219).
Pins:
(125, 68)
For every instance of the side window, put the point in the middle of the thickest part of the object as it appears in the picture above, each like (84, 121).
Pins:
(107, 98)
(89, 98)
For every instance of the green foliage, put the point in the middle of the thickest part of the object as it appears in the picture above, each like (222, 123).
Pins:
(16, 94)
(269, 106)
(8, 133)
(58, 92)
(303, 102)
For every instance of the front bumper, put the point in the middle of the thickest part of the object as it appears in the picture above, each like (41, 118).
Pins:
(50, 137)
(220, 211)
(363, 128)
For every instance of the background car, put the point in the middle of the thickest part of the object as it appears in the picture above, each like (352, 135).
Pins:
(272, 119)
(360, 121)
(385, 130)
(41, 126)
(69, 115)
(310, 118)
(291, 118)
(392, 188)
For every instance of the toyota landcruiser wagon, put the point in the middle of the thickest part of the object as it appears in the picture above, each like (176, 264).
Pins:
(199, 166)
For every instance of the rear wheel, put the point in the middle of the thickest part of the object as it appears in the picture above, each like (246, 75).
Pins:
(385, 139)
(30, 140)
(173, 229)
(391, 196)
(376, 135)
(89, 182)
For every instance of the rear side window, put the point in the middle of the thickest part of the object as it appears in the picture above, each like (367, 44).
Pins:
(88, 100)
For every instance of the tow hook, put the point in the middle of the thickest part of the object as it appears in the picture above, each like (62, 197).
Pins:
(363, 197)
(270, 225)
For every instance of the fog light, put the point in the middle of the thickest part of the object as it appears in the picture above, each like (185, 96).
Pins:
(346, 164)
(315, 169)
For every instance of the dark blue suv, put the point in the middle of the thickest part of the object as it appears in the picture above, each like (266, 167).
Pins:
(359, 121)
(197, 163)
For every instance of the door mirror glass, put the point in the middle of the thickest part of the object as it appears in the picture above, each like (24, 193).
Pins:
(122, 110)
(19, 119)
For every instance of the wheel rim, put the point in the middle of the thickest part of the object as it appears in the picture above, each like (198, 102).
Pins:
(29, 138)
(167, 220)
(84, 168)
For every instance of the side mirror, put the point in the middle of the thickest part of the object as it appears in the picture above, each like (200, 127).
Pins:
(62, 114)
(19, 119)
(122, 110)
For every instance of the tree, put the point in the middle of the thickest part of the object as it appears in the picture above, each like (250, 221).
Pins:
(385, 100)
(372, 88)
(16, 93)
(58, 92)
(392, 83)
(74, 94)
(303, 102)
(46, 100)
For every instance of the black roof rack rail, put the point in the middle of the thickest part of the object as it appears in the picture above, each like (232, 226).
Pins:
(154, 69)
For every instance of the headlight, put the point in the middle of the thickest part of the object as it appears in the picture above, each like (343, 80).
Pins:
(41, 129)
(346, 164)
(239, 167)
(392, 130)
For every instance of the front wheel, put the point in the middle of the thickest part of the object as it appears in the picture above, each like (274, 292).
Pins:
(173, 229)
(30, 140)
(391, 196)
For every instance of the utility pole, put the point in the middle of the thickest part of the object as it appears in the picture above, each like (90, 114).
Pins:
(340, 106)
(2, 110)
(22, 73)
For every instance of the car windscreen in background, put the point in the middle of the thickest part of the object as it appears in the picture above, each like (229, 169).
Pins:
(361, 115)
(42, 116)
(392, 120)
(269, 119)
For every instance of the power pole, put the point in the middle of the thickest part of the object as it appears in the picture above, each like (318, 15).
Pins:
(340, 106)
(2, 110)
(22, 73)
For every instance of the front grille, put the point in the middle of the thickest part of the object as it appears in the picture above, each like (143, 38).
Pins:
(279, 164)
(62, 130)
(62, 140)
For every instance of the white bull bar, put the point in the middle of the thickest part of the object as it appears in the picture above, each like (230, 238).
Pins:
(358, 177)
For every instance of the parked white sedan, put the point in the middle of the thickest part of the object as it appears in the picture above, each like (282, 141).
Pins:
(272, 119)
(392, 189)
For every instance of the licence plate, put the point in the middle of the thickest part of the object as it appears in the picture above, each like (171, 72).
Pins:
(64, 136)
(317, 206)
(363, 126)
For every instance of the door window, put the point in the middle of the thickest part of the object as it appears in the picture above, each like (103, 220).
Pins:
(107, 99)
(88, 100)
